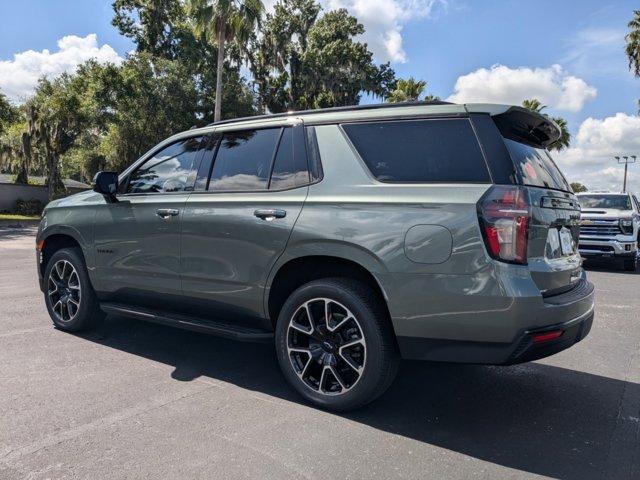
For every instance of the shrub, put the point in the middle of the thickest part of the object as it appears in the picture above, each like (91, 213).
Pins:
(29, 207)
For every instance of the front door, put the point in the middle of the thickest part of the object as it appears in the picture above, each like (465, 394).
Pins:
(237, 226)
(137, 238)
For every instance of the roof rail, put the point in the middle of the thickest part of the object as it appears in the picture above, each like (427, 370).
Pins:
(371, 106)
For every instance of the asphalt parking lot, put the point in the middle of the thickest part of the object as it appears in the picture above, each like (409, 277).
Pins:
(138, 400)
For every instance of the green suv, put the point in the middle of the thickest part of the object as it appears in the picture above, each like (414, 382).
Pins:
(349, 237)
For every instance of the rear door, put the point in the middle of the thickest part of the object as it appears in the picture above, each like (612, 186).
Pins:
(554, 228)
(553, 255)
(137, 238)
(250, 191)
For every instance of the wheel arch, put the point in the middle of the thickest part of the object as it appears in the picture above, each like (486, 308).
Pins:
(56, 238)
(296, 271)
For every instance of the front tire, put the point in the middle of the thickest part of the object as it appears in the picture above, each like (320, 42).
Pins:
(335, 344)
(71, 301)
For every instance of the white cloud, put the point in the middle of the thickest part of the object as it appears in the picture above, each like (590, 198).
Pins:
(18, 77)
(590, 160)
(501, 84)
(383, 21)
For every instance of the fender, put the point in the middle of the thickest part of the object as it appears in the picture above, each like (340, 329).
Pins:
(84, 240)
(327, 248)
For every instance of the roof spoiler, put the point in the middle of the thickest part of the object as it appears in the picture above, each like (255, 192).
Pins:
(524, 125)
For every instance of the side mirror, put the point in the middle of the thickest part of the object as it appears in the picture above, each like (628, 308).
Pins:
(106, 183)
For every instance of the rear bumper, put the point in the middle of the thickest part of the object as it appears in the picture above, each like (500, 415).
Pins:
(570, 313)
(572, 332)
(524, 349)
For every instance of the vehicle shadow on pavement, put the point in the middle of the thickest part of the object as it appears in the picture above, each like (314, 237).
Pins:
(533, 417)
(600, 266)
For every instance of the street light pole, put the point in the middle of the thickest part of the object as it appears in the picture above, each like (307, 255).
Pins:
(626, 162)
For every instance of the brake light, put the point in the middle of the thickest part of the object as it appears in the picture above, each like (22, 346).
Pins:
(547, 337)
(505, 213)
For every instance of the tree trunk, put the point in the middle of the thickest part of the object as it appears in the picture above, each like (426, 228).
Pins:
(217, 113)
(23, 173)
(56, 188)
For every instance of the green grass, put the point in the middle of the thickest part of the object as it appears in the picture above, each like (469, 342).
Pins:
(14, 216)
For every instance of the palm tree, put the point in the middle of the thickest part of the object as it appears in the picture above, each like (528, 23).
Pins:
(565, 137)
(564, 141)
(225, 21)
(633, 44)
(533, 104)
(407, 90)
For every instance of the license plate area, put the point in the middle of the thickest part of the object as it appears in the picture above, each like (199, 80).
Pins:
(560, 243)
(566, 241)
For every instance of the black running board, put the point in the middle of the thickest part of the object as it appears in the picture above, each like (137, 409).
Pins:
(235, 332)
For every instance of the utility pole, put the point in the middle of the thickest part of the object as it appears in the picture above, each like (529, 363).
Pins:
(626, 162)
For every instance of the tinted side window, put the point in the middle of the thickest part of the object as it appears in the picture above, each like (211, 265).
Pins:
(290, 166)
(168, 170)
(444, 150)
(243, 161)
(209, 147)
(313, 154)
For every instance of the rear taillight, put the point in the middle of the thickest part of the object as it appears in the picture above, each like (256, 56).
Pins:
(505, 213)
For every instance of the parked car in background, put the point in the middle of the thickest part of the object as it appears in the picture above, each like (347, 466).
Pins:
(349, 237)
(610, 227)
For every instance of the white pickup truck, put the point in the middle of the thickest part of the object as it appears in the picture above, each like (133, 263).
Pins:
(609, 227)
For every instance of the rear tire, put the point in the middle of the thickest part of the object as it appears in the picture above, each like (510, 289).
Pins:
(335, 344)
(71, 301)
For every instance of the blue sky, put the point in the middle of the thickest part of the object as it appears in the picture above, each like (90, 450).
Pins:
(569, 53)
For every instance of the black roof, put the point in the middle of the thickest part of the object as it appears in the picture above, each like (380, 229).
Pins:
(333, 109)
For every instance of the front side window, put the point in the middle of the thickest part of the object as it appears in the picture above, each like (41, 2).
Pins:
(436, 150)
(243, 161)
(168, 170)
(618, 202)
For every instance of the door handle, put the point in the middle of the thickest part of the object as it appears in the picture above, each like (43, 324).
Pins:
(167, 212)
(270, 214)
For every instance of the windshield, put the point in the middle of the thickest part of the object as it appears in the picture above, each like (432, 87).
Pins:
(620, 202)
(535, 166)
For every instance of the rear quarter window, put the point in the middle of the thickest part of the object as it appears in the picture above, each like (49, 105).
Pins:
(535, 166)
(410, 151)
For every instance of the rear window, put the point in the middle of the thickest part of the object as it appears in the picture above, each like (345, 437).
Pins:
(443, 150)
(289, 167)
(535, 166)
(619, 202)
